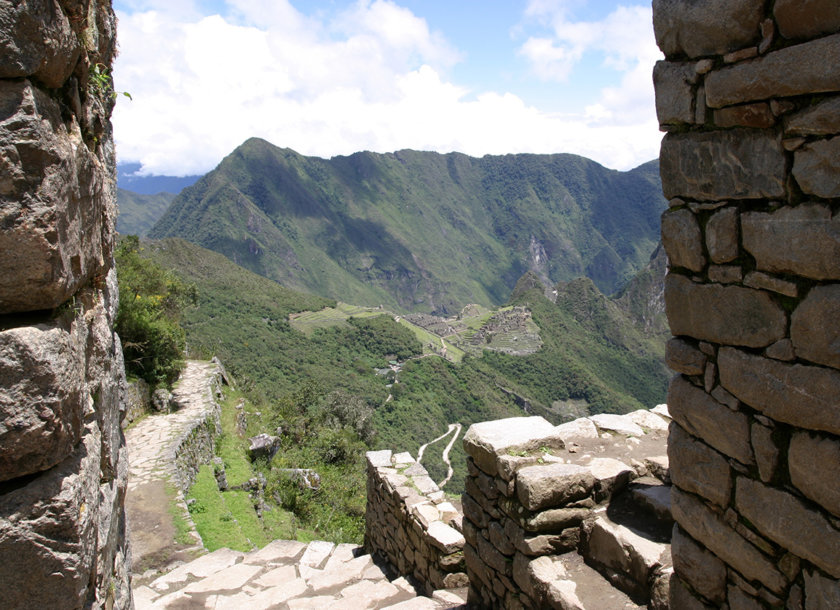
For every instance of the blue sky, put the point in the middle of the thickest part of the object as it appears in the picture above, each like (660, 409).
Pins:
(330, 77)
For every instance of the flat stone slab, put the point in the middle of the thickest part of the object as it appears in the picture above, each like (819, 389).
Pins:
(578, 429)
(316, 553)
(487, 440)
(277, 550)
(447, 538)
(648, 420)
(227, 580)
(553, 485)
(617, 423)
(199, 568)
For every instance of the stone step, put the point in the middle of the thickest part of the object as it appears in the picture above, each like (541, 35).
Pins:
(631, 558)
(593, 591)
(652, 497)
(290, 575)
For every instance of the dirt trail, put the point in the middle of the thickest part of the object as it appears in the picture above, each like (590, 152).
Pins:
(445, 455)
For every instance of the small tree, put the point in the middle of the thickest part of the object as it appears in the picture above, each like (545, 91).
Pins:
(148, 320)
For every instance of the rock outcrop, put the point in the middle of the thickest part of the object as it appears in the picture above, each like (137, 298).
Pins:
(63, 462)
(749, 94)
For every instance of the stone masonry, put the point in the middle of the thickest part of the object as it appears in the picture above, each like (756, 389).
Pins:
(410, 524)
(63, 465)
(541, 500)
(749, 95)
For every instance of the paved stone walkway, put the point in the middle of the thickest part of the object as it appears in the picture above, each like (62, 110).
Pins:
(151, 481)
(288, 575)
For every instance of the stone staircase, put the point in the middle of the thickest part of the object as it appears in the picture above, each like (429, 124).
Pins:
(289, 575)
(623, 560)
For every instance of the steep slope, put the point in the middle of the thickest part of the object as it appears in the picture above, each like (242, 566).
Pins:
(420, 231)
(138, 212)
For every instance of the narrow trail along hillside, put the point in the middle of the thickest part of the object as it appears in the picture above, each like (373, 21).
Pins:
(153, 477)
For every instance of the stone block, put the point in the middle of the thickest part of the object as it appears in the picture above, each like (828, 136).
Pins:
(682, 239)
(816, 166)
(757, 116)
(698, 468)
(705, 418)
(43, 396)
(554, 520)
(719, 165)
(581, 428)
(820, 119)
(804, 240)
(617, 423)
(683, 357)
(784, 73)
(610, 475)
(814, 331)
(648, 420)
(731, 315)
(814, 463)
(821, 593)
(706, 27)
(485, 441)
(701, 523)
(48, 532)
(722, 235)
(739, 600)
(673, 82)
(766, 452)
(379, 459)
(623, 551)
(698, 567)
(56, 222)
(786, 520)
(37, 40)
(806, 18)
(553, 485)
(797, 394)
(680, 597)
(762, 281)
(725, 274)
(444, 537)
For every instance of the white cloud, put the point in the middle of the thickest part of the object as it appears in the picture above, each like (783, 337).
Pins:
(373, 77)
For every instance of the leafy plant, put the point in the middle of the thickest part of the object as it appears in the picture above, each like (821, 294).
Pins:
(101, 83)
(152, 299)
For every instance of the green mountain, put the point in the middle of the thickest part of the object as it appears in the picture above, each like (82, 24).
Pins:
(138, 213)
(421, 231)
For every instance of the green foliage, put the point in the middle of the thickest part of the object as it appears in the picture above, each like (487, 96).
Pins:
(151, 301)
(419, 231)
(101, 83)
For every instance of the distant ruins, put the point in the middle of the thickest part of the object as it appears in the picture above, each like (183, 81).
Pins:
(63, 465)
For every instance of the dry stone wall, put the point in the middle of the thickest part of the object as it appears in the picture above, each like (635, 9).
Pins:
(63, 465)
(410, 524)
(749, 94)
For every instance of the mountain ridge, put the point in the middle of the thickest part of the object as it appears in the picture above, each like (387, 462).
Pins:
(420, 231)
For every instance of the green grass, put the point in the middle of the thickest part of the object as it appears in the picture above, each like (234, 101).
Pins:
(183, 529)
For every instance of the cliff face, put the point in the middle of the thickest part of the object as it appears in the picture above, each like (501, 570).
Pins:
(63, 465)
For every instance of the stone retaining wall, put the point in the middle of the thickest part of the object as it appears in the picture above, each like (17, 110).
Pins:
(196, 442)
(63, 464)
(749, 94)
(410, 524)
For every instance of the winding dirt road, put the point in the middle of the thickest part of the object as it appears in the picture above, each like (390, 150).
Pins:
(445, 455)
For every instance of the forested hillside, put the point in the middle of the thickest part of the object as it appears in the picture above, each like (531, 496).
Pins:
(594, 357)
(421, 231)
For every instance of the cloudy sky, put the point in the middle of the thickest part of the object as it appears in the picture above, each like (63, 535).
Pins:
(332, 77)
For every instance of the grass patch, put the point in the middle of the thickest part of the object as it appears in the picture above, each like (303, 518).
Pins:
(212, 517)
(183, 529)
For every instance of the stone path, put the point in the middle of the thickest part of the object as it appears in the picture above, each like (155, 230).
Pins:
(152, 478)
(288, 575)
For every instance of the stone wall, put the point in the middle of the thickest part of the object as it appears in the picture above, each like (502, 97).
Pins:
(749, 94)
(538, 493)
(63, 465)
(410, 524)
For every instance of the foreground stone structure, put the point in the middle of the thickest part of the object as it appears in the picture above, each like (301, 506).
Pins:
(63, 465)
(749, 94)
(410, 524)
